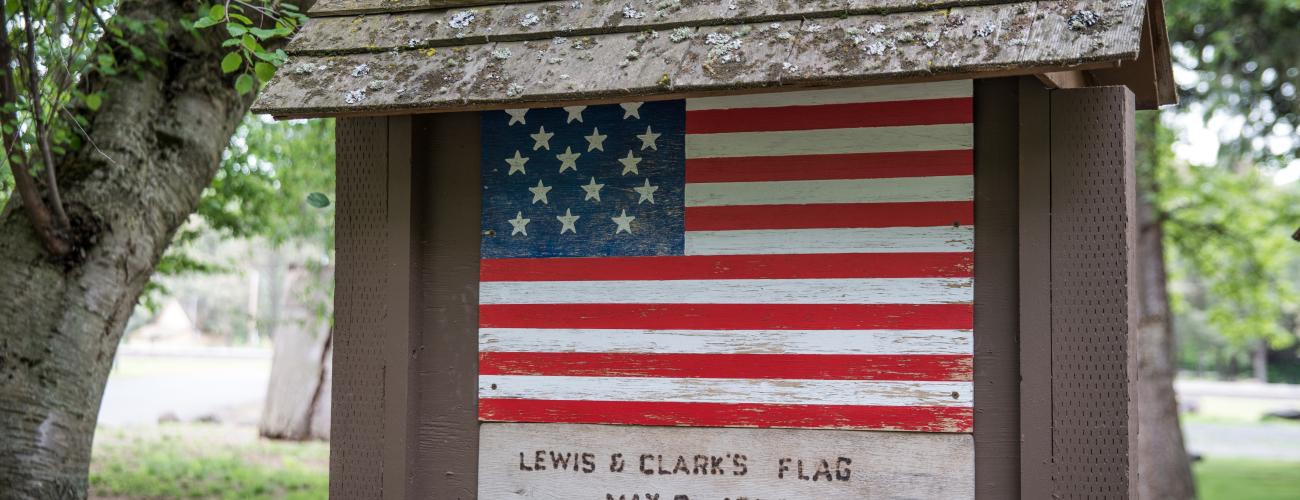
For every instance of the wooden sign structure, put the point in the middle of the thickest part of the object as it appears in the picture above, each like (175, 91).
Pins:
(726, 250)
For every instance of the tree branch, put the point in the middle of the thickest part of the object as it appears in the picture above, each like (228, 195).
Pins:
(42, 127)
(38, 212)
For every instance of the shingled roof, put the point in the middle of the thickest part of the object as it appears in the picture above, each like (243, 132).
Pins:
(407, 56)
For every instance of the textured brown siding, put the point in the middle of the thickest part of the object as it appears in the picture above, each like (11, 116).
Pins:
(357, 444)
(1093, 310)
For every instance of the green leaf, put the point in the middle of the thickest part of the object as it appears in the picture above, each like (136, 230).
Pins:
(230, 42)
(217, 12)
(241, 18)
(231, 62)
(266, 56)
(244, 84)
(236, 30)
(264, 71)
(205, 22)
(93, 101)
(105, 60)
(251, 44)
(263, 34)
(318, 200)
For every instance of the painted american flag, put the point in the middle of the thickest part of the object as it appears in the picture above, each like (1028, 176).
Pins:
(796, 260)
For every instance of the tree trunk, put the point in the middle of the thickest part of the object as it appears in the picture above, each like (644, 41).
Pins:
(163, 130)
(1164, 471)
(1259, 361)
(298, 389)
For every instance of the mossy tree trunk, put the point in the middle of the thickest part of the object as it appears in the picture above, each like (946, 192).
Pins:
(157, 142)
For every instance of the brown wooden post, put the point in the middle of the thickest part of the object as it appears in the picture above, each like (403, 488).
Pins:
(397, 330)
(997, 390)
(1035, 278)
(444, 293)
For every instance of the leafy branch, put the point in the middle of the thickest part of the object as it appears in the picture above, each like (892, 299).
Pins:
(54, 58)
(248, 38)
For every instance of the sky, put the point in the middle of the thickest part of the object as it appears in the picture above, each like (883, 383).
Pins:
(1198, 139)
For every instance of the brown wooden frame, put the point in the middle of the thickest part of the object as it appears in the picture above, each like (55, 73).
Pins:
(405, 388)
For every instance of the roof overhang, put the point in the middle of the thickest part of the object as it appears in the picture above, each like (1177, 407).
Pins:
(366, 57)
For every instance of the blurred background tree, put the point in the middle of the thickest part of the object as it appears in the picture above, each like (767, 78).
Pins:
(1220, 229)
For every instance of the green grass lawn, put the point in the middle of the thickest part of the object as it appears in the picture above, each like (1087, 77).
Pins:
(1241, 479)
(205, 461)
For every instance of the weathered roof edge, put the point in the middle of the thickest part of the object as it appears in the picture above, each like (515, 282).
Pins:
(615, 98)
(963, 42)
(545, 20)
(324, 8)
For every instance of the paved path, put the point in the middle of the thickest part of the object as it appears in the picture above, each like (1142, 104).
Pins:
(146, 387)
(1270, 441)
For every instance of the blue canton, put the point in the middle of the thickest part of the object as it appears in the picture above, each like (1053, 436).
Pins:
(584, 181)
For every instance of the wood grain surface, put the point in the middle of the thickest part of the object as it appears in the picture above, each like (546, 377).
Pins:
(596, 462)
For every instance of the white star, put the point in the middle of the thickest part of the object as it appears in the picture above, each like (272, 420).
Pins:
(647, 192)
(520, 224)
(543, 139)
(648, 139)
(517, 164)
(568, 160)
(575, 113)
(624, 222)
(517, 116)
(539, 193)
(596, 141)
(630, 163)
(631, 110)
(567, 220)
(593, 190)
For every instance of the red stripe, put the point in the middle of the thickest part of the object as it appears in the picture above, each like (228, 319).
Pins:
(833, 166)
(900, 418)
(831, 215)
(812, 266)
(824, 116)
(729, 316)
(744, 366)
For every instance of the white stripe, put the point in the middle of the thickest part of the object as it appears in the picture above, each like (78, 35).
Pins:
(936, 90)
(740, 291)
(892, 190)
(806, 241)
(853, 342)
(830, 141)
(714, 390)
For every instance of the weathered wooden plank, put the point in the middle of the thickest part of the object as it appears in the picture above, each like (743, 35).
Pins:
(500, 18)
(839, 240)
(835, 141)
(840, 342)
(350, 7)
(857, 49)
(891, 190)
(545, 461)
(778, 291)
